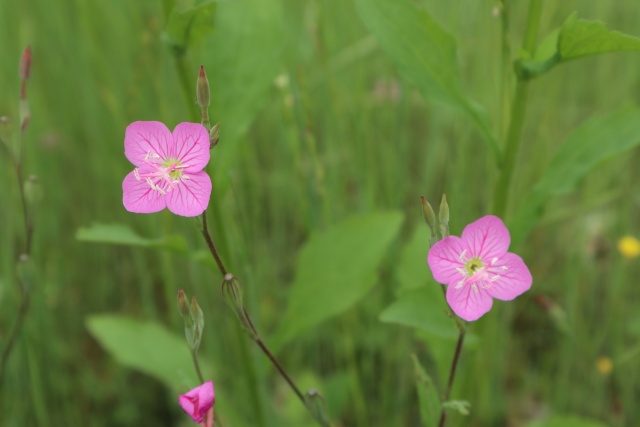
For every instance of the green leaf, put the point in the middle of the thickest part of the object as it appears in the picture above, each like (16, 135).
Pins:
(579, 37)
(146, 347)
(461, 406)
(412, 271)
(566, 421)
(576, 38)
(187, 27)
(427, 395)
(423, 308)
(119, 234)
(594, 141)
(336, 269)
(425, 54)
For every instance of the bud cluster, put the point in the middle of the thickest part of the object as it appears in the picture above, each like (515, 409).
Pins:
(193, 320)
(430, 219)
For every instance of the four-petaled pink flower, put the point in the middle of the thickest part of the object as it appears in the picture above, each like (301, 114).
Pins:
(198, 402)
(168, 169)
(478, 268)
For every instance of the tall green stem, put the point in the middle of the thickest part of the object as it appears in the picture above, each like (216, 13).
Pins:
(517, 117)
(452, 374)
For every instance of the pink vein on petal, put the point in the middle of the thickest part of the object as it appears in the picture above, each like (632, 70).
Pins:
(142, 138)
(487, 238)
(191, 146)
(190, 197)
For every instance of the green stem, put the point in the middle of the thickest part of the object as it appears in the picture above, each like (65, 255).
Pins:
(517, 117)
(452, 374)
(194, 356)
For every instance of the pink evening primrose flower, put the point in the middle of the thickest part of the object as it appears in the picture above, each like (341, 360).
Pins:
(477, 268)
(169, 168)
(198, 402)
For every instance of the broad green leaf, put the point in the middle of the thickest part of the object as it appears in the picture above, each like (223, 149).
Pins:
(428, 395)
(575, 39)
(242, 59)
(423, 308)
(425, 54)
(187, 27)
(146, 347)
(336, 269)
(119, 234)
(566, 421)
(579, 37)
(594, 141)
(411, 270)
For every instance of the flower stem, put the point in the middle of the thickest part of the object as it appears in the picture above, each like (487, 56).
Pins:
(211, 245)
(254, 333)
(517, 117)
(452, 374)
(196, 363)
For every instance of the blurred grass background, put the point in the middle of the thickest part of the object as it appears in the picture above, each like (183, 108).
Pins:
(316, 125)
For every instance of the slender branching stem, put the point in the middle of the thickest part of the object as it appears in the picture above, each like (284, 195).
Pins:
(196, 363)
(452, 374)
(211, 245)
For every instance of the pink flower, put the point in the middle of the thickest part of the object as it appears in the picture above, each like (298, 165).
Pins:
(198, 402)
(168, 169)
(478, 268)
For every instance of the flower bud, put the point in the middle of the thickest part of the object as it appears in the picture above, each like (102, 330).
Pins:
(232, 295)
(444, 217)
(25, 64)
(317, 407)
(32, 192)
(430, 219)
(196, 314)
(183, 306)
(214, 135)
(202, 89)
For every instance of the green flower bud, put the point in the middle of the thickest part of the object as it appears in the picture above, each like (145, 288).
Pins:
(214, 135)
(202, 89)
(317, 407)
(444, 217)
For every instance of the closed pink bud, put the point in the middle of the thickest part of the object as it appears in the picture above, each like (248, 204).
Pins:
(197, 402)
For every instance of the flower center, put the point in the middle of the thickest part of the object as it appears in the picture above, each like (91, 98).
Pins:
(477, 272)
(164, 175)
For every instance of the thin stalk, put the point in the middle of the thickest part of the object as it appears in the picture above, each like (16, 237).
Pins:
(196, 363)
(517, 116)
(211, 245)
(452, 374)
(15, 332)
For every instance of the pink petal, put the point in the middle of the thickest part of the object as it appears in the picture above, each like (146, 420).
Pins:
(487, 238)
(191, 146)
(468, 302)
(444, 258)
(513, 281)
(139, 197)
(197, 402)
(142, 138)
(191, 196)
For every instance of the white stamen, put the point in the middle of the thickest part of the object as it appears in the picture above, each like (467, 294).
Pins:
(462, 255)
(504, 267)
(475, 288)
(461, 271)
(161, 191)
(494, 278)
(136, 174)
(460, 284)
(493, 261)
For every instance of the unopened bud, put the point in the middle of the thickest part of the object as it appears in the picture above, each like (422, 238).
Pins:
(317, 407)
(33, 192)
(430, 219)
(232, 295)
(444, 217)
(183, 307)
(214, 135)
(202, 89)
(25, 63)
(196, 314)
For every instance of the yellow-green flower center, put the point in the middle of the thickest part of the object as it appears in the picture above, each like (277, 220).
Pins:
(473, 265)
(173, 168)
